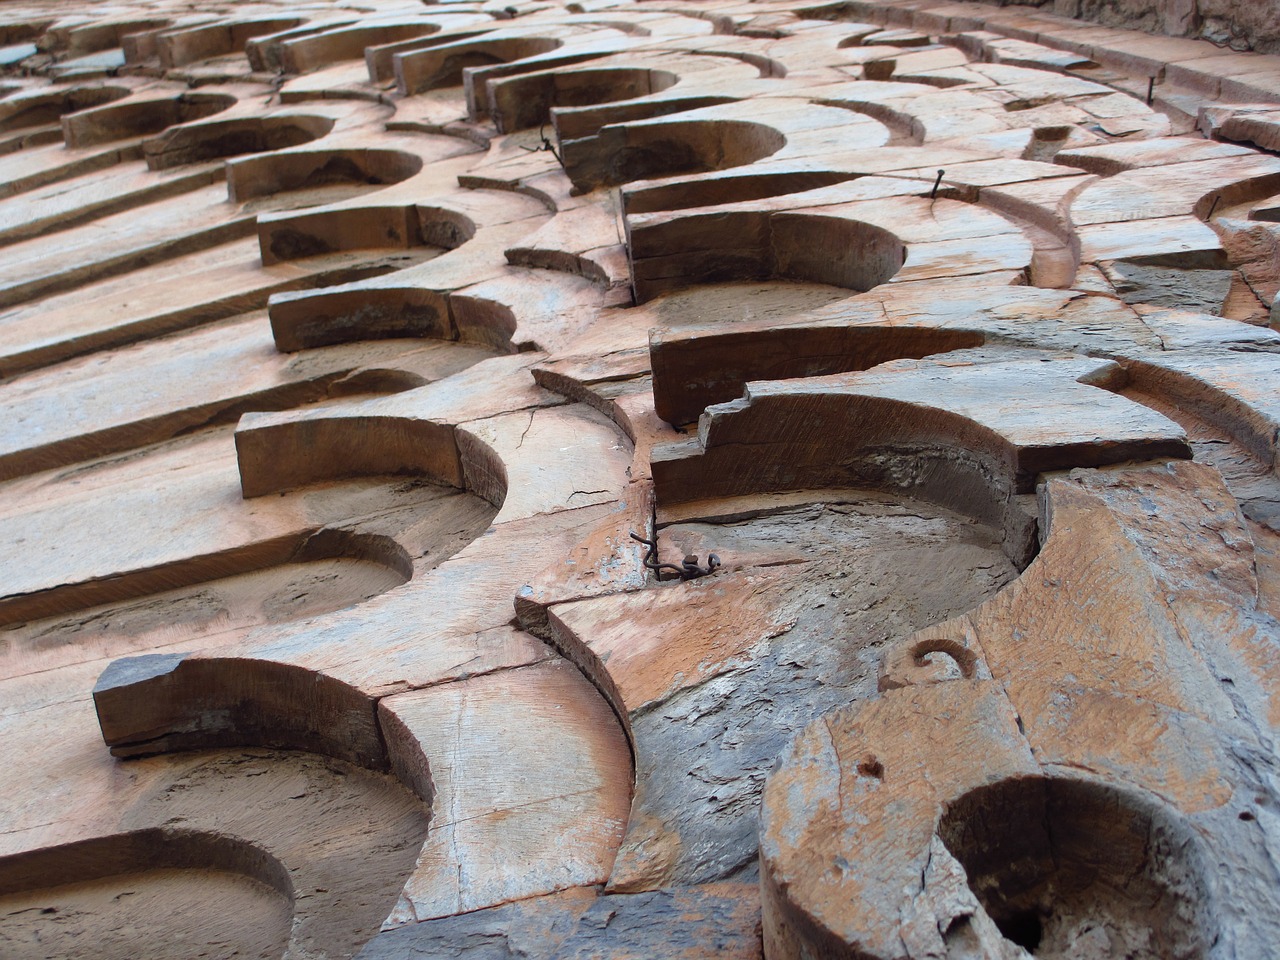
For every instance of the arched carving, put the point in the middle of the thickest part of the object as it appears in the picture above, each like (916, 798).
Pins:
(161, 703)
(228, 137)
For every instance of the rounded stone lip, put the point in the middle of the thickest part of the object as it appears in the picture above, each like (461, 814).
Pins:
(275, 172)
(147, 849)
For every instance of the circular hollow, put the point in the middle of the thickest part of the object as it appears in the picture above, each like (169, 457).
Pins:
(574, 123)
(210, 612)
(314, 169)
(484, 321)
(757, 245)
(41, 108)
(309, 233)
(163, 703)
(730, 189)
(1242, 191)
(442, 66)
(262, 854)
(660, 150)
(284, 578)
(213, 139)
(303, 53)
(140, 117)
(691, 372)
(526, 100)
(142, 895)
(1071, 868)
(646, 151)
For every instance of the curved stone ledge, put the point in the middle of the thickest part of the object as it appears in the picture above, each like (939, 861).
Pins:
(300, 169)
(210, 139)
(160, 703)
(140, 116)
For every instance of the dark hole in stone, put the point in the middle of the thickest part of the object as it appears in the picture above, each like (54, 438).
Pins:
(1023, 928)
(1072, 868)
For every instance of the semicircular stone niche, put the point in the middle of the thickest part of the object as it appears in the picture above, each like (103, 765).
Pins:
(419, 524)
(40, 107)
(621, 154)
(307, 178)
(140, 117)
(245, 853)
(526, 100)
(147, 914)
(734, 300)
(670, 253)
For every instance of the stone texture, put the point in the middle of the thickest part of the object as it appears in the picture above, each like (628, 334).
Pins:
(847, 779)
(531, 783)
(346, 351)
(723, 671)
(1203, 291)
(710, 920)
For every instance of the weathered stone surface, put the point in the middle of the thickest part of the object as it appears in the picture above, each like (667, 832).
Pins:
(531, 775)
(609, 561)
(943, 250)
(412, 433)
(976, 436)
(1183, 242)
(723, 671)
(1202, 291)
(846, 788)
(709, 920)
(94, 407)
(695, 368)
(280, 837)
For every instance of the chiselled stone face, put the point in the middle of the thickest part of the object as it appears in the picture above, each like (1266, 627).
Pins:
(639, 479)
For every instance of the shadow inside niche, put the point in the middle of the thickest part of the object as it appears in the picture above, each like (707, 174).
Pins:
(1068, 868)
(684, 194)
(623, 153)
(140, 117)
(526, 100)
(36, 108)
(148, 894)
(263, 854)
(353, 171)
(213, 600)
(672, 251)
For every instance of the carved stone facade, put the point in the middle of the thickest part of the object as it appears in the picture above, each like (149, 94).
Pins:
(658, 479)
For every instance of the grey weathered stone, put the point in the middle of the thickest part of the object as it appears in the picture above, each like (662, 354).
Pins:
(872, 573)
(720, 921)
(1200, 290)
